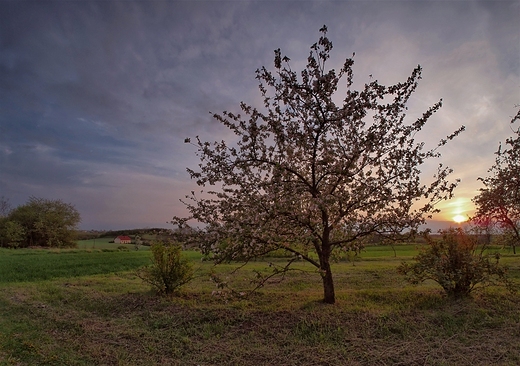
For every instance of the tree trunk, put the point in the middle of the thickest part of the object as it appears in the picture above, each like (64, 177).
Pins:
(329, 296)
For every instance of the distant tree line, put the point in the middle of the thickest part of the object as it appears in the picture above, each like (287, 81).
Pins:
(39, 222)
(133, 232)
(143, 236)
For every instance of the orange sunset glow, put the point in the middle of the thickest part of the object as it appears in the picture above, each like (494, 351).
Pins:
(457, 210)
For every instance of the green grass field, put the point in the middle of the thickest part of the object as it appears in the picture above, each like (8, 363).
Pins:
(87, 307)
(31, 266)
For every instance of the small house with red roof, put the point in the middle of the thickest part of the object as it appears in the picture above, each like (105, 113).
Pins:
(123, 239)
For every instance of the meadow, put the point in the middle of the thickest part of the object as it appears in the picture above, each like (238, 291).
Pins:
(87, 307)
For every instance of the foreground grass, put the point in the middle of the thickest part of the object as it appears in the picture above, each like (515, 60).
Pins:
(113, 319)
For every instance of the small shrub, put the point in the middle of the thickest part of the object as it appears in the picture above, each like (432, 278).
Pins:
(168, 271)
(123, 248)
(455, 263)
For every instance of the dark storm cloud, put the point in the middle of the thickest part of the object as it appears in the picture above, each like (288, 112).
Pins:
(97, 97)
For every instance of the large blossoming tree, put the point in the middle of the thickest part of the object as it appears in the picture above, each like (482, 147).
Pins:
(310, 176)
(498, 203)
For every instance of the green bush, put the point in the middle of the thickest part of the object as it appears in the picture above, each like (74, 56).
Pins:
(168, 271)
(456, 264)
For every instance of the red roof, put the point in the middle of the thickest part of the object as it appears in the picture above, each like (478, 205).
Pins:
(123, 237)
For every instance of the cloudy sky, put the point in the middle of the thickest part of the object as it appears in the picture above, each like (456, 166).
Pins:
(97, 97)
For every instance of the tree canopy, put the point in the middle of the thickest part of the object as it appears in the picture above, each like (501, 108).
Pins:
(40, 222)
(498, 202)
(5, 207)
(310, 176)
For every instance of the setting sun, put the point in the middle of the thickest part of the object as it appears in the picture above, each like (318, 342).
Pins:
(456, 210)
(459, 218)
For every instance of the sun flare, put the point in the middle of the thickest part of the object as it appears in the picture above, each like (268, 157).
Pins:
(459, 218)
